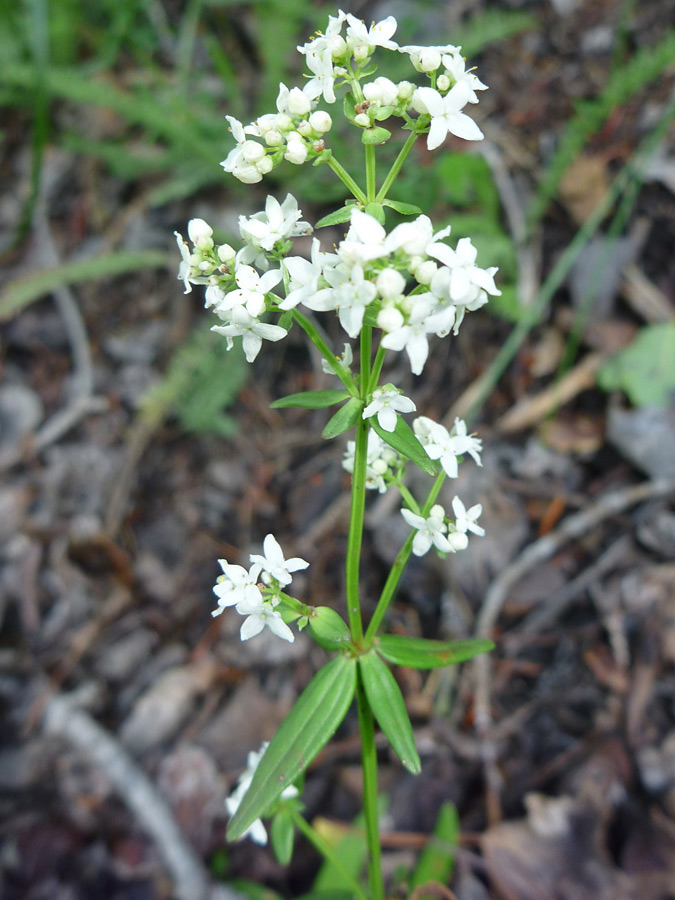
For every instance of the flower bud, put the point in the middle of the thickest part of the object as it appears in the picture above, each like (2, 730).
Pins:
(274, 138)
(200, 233)
(390, 284)
(252, 151)
(305, 129)
(265, 165)
(390, 319)
(320, 121)
(362, 120)
(443, 83)
(405, 90)
(296, 151)
(379, 466)
(226, 253)
(425, 271)
(428, 60)
(437, 512)
(299, 103)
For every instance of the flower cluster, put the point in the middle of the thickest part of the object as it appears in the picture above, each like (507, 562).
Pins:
(297, 131)
(409, 280)
(256, 831)
(437, 529)
(255, 594)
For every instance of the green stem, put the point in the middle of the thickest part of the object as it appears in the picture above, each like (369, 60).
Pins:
(328, 853)
(398, 566)
(358, 504)
(370, 173)
(375, 371)
(396, 167)
(370, 805)
(347, 180)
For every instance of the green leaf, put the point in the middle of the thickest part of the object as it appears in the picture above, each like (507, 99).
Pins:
(418, 653)
(405, 209)
(328, 628)
(19, 293)
(376, 211)
(344, 419)
(375, 135)
(282, 834)
(403, 439)
(437, 859)
(304, 732)
(645, 369)
(388, 706)
(343, 214)
(311, 399)
(382, 113)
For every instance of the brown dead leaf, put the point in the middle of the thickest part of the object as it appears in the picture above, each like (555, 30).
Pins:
(584, 186)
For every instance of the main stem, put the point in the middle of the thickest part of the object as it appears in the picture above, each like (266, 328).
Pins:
(370, 806)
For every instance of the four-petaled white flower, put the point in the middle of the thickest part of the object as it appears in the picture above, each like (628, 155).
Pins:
(252, 331)
(278, 222)
(260, 615)
(235, 586)
(445, 446)
(251, 290)
(385, 402)
(446, 114)
(274, 564)
(430, 531)
(466, 518)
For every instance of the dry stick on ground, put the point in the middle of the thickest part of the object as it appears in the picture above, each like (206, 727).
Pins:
(191, 879)
(574, 527)
(81, 401)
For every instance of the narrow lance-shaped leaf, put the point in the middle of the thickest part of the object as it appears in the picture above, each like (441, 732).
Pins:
(343, 214)
(418, 653)
(388, 706)
(311, 399)
(344, 419)
(282, 834)
(403, 439)
(304, 732)
(405, 209)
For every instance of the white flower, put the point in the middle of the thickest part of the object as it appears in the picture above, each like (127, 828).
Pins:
(296, 149)
(466, 518)
(278, 222)
(364, 240)
(346, 359)
(304, 276)
(455, 65)
(446, 115)
(320, 63)
(274, 564)
(382, 90)
(236, 585)
(251, 291)
(424, 59)
(351, 299)
(260, 615)
(465, 275)
(415, 238)
(251, 330)
(385, 402)
(440, 444)
(362, 41)
(431, 530)
(412, 336)
(256, 831)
